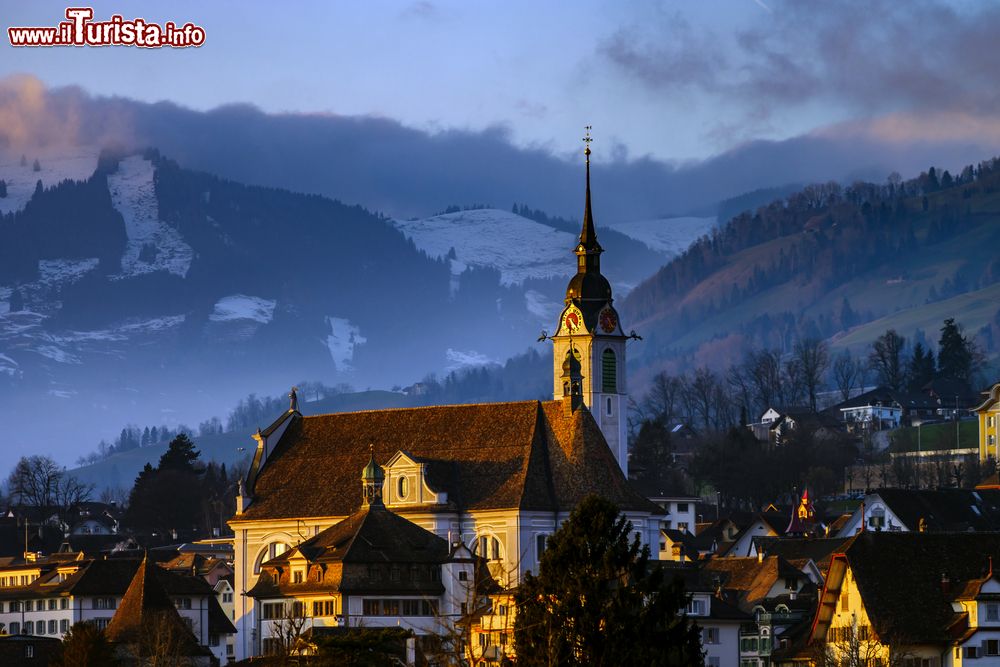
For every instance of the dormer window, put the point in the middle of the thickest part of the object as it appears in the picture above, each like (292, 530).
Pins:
(403, 488)
(298, 576)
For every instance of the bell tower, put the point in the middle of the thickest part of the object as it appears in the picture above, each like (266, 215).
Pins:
(589, 331)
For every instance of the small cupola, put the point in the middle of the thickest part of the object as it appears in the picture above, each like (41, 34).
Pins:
(372, 479)
(572, 381)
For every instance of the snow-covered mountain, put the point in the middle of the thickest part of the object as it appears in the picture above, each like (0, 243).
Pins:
(137, 291)
(670, 236)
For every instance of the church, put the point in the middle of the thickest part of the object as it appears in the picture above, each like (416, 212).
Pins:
(491, 480)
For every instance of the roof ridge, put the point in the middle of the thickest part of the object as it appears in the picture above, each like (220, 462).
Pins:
(421, 407)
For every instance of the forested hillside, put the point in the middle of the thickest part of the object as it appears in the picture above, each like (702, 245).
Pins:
(830, 262)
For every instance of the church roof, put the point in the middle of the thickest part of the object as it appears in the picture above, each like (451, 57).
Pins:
(525, 455)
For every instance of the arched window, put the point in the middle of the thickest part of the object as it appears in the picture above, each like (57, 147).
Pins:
(488, 547)
(609, 372)
(267, 553)
(404, 487)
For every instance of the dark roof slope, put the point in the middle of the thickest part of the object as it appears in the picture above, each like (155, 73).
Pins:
(894, 571)
(945, 509)
(145, 606)
(488, 456)
(819, 550)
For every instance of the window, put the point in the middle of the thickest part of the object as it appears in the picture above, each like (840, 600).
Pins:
(52, 604)
(540, 545)
(15, 628)
(971, 652)
(711, 635)
(297, 576)
(845, 604)
(325, 608)
(501, 610)
(609, 372)
(390, 607)
(213, 640)
(404, 487)
(29, 627)
(106, 603)
(394, 573)
(791, 583)
(180, 603)
(484, 639)
(53, 627)
(696, 608)
(29, 651)
(489, 548)
(40, 628)
(64, 603)
(991, 647)
(272, 610)
(993, 611)
(267, 553)
(227, 597)
(64, 626)
(503, 639)
(609, 407)
(463, 576)
(991, 439)
(682, 526)
(370, 607)
(27, 605)
(991, 421)
(15, 605)
(682, 507)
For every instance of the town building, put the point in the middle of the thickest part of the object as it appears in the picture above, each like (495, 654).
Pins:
(46, 597)
(925, 510)
(497, 479)
(910, 599)
(988, 414)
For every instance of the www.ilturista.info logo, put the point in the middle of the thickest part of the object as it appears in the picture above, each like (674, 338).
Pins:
(81, 30)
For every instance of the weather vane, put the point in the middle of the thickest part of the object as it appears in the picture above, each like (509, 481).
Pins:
(587, 139)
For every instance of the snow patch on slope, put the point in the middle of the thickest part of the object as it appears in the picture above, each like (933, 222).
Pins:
(134, 196)
(62, 271)
(78, 164)
(343, 338)
(540, 306)
(670, 236)
(243, 307)
(518, 247)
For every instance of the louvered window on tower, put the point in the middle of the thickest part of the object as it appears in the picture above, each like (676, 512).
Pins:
(609, 372)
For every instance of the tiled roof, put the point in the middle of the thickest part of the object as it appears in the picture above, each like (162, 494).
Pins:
(893, 570)
(819, 550)
(146, 606)
(750, 579)
(525, 455)
(945, 509)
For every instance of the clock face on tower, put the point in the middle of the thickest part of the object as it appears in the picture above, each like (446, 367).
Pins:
(573, 321)
(608, 320)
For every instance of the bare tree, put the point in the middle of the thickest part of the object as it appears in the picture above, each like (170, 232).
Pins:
(886, 359)
(664, 398)
(286, 631)
(813, 357)
(38, 481)
(847, 373)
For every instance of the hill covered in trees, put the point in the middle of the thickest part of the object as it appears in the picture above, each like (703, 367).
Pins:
(841, 264)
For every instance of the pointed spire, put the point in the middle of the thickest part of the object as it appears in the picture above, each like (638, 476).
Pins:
(588, 235)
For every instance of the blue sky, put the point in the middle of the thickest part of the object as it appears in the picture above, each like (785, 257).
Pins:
(541, 70)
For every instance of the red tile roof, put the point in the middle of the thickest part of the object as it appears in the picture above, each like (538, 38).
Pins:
(525, 455)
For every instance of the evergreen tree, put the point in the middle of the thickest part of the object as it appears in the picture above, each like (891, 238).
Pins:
(598, 600)
(652, 459)
(3, 188)
(36, 166)
(954, 353)
(920, 369)
(180, 455)
(16, 301)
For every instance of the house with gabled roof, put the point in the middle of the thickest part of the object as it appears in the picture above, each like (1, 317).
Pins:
(932, 510)
(911, 598)
(987, 412)
(497, 478)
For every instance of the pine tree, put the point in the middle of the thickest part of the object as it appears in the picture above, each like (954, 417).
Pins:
(598, 600)
(920, 369)
(180, 455)
(954, 353)
(36, 166)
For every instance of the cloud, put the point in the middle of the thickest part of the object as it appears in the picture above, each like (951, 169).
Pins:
(31, 115)
(875, 56)
(422, 10)
(401, 171)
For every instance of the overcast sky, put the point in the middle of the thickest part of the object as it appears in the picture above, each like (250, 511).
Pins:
(675, 80)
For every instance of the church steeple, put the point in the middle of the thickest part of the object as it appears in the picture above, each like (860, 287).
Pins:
(589, 344)
(589, 247)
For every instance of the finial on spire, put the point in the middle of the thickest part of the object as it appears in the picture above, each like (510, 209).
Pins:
(588, 235)
(586, 140)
